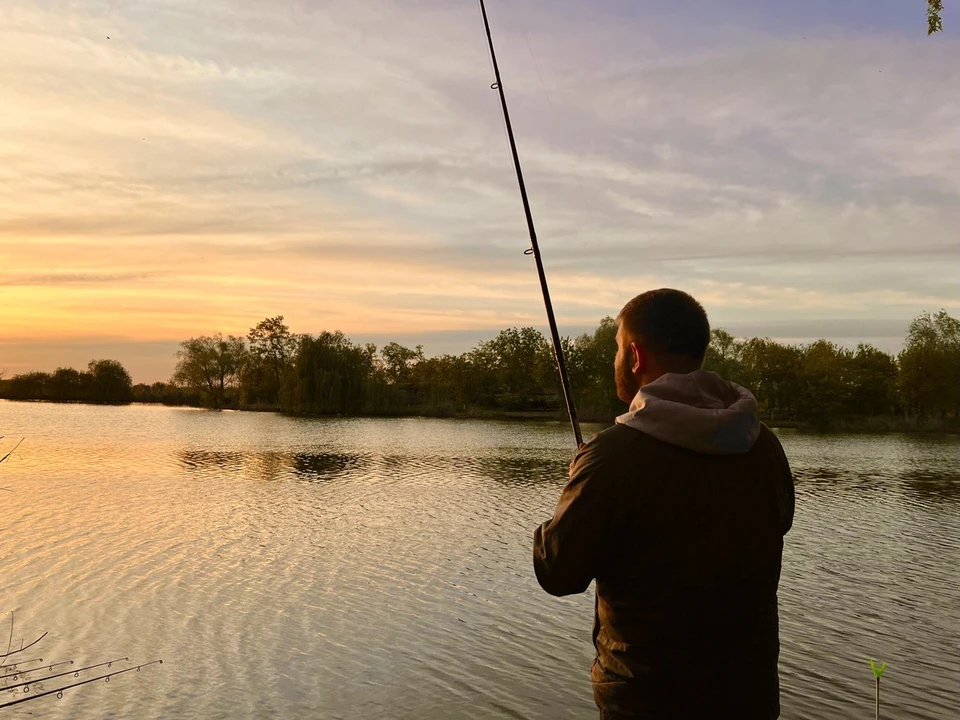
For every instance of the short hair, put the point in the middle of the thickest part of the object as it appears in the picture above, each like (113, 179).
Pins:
(670, 322)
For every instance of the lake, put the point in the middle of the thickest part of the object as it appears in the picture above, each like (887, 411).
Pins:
(381, 568)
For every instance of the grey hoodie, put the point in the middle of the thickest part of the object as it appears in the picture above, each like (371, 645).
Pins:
(699, 411)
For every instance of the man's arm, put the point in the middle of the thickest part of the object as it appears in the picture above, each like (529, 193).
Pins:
(568, 549)
(786, 502)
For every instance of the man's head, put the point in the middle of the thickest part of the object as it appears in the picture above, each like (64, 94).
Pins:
(659, 331)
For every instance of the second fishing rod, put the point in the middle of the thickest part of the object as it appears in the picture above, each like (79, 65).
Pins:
(534, 245)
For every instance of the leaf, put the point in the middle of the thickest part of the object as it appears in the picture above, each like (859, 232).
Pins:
(877, 671)
(934, 23)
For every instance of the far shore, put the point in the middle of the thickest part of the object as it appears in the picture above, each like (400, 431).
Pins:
(868, 425)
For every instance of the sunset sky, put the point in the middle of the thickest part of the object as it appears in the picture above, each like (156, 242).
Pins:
(171, 168)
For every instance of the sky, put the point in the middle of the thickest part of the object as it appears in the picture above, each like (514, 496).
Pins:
(174, 168)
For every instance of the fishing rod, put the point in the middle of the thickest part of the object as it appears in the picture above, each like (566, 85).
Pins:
(534, 248)
(59, 691)
(76, 673)
(25, 682)
(20, 673)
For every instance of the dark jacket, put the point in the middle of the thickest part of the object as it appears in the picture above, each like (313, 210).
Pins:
(685, 547)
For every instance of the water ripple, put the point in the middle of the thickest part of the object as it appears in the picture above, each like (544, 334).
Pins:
(349, 568)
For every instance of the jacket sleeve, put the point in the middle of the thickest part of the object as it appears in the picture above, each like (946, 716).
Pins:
(786, 501)
(568, 549)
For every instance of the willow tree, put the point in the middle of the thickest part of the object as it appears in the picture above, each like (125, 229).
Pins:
(930, 366)
(210, 365)
(109, 382)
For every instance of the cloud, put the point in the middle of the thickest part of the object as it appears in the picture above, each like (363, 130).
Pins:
(72, 278)
(345, 164)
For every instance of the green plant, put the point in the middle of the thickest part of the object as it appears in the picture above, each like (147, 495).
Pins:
(877, 673)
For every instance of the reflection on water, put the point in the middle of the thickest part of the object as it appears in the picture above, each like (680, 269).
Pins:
(211, 461)
(321, 465)
(520, 471)
(932, 487)
(370, 568)
(310, 466)
(817, 474)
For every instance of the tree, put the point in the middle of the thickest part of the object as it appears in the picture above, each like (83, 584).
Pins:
(590, 363)
(522, 362)
(68, 385)
(824, 383)
(873, 382)
(332, 375)
(168, 394)
(772, 372)
(723, 355)
(445, 384)
(272, 347)
(210, 365)
(930, 366)
(109, 382)
(29, 386)
(934, 9)
(399, 360)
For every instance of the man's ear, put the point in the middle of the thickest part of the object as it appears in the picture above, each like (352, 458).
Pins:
(639, 356)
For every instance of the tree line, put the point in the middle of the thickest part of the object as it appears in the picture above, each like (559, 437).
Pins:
(819, 384)
(103, 382)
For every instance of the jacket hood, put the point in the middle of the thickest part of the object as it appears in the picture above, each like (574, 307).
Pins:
(699, 411)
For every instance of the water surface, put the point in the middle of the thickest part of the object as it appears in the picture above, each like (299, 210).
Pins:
(377, 568)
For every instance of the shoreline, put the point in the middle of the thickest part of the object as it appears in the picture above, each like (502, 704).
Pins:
(857, 426)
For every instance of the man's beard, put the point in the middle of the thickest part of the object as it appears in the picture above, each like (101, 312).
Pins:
(628, 384)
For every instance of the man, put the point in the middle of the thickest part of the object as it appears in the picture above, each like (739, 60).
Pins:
(678, 511)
